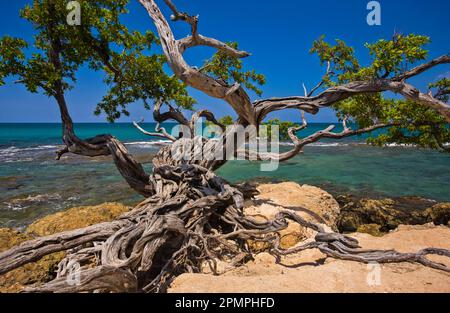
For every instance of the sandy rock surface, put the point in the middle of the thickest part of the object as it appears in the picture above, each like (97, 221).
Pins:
(312, 203)
(309, 272)
(44, 269)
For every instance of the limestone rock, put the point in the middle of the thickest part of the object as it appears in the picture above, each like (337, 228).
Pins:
(388, 214)
(77, 217)
(312, 203)
(309, 272)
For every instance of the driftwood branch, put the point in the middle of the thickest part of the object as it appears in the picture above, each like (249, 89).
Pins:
(321, 83)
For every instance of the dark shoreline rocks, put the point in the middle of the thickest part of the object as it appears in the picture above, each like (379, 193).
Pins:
(379, 216)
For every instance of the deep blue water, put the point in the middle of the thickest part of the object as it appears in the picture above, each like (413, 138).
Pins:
(33, 184)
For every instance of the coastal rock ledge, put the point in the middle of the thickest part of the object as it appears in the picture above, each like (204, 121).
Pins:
(308, 271)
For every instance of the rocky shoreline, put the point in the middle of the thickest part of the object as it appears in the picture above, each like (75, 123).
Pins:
(383, 217)
(379, 216)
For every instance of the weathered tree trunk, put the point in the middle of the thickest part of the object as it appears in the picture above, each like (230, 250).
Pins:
(194, 219)
(191, 217)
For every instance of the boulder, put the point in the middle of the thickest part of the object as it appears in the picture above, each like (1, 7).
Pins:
(363, 214)
(312, 203)
(439, 214)
(77, 217)
(40, 271)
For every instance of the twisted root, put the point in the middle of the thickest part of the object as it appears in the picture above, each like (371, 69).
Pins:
(195, 218)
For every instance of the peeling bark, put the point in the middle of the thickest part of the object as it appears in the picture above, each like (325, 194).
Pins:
(192, 217)
(196, 217)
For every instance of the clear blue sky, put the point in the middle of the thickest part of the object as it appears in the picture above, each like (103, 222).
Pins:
(277, 33)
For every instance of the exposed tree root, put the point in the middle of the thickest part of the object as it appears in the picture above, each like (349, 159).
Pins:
(196, 219)
(191, 217)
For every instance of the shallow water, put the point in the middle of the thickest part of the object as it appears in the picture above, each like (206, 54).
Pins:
(33, 184)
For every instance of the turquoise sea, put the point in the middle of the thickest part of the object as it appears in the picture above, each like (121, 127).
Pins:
(33, 183)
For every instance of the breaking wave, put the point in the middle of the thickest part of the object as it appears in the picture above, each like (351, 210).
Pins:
(26, 154)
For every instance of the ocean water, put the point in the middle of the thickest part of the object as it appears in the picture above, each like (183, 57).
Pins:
(33, 184)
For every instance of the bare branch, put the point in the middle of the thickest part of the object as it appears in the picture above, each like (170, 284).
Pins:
(199, 40)
(344, 124)
(209, 116)
(422, 68)
(304, 121)
(305, 90)
(238, 99)
(347, 132)
(410, 92)
(162, 134)
(299, 144)
(322, 82)
(335, 94)
(172, 114)
(177, 15)
(102, 145)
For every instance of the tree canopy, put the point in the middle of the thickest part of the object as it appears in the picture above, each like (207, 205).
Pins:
(190, 216)
(134, 72)
(102, 43)
(412, 123)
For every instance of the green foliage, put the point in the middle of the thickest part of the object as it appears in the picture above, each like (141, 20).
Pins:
(417, 124)
(101, 42)
(395, 55)
(230, 69)
(226, 120)
(442, 87)
(143, 78)
(340, 57)
(283, 127)
(364, 108)
(389, 57)
(11, 57)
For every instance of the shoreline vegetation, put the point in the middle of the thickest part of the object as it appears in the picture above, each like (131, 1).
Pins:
(366, 219)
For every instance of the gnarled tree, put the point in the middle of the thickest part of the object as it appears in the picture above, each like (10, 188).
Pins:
(191, 217)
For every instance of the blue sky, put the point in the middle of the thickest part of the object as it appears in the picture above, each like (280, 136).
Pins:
(278, 34)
